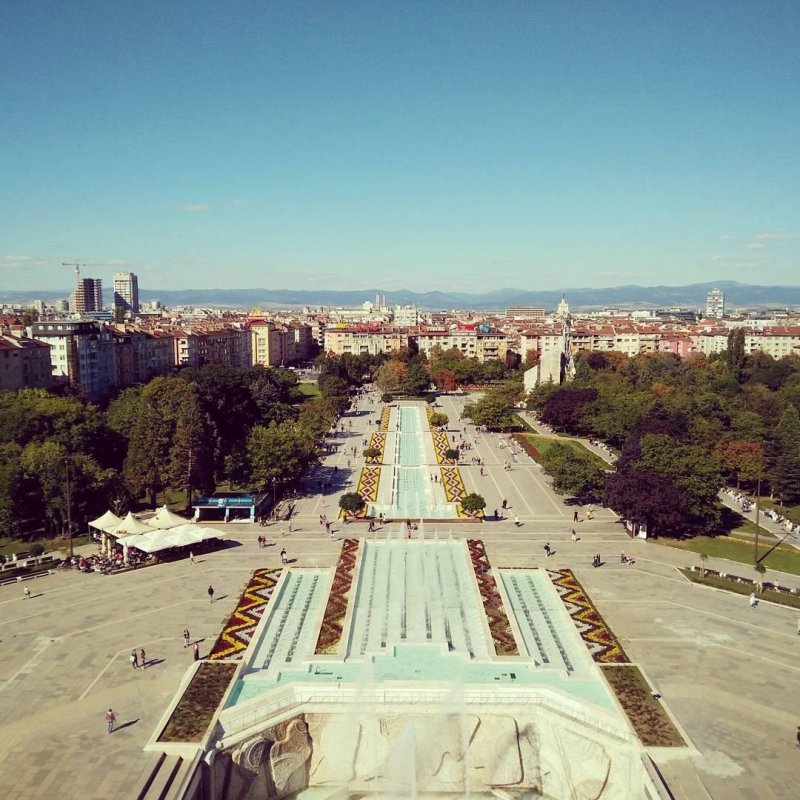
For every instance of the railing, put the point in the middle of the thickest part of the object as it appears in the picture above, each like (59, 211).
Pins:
(367, 699)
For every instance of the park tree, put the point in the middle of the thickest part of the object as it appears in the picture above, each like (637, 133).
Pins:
(566, 406)
(444, 379)
(742, 460)
(451, 454)
(493, 411)
(12, 499)
(390, 377)
(351, 503)
(473, 503)
(735, 355)
(785, 471)
(279, 455)
(191, 464)
(417, 380)
(438, 420)
(576, 473)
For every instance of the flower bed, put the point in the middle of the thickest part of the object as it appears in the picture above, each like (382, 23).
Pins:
(330, 634)
(731, 583)
(383, 425)
(377, 442)
(528, 447)
(499, 626)
(453, 484)
(441, 445)
(597, 636)
(195, 709)
(368, 483)
(649, 719)
(241, 624)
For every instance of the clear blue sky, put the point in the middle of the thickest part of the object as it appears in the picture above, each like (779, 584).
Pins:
(418, 145)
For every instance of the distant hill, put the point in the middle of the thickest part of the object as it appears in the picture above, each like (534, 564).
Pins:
(692, 296)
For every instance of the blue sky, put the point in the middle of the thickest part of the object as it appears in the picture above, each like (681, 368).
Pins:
(430, 145)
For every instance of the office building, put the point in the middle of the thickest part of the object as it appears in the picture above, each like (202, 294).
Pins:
(126, 291)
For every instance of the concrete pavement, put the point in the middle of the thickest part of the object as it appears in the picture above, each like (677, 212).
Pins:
(730, 673)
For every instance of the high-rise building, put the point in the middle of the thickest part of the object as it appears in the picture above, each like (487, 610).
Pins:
(88, 295)
(715, 304)
(126, 291)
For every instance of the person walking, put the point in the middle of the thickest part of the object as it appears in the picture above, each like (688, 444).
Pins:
(142, 659)
(134, 660)
(516, 520)
(547, 551)
(575, 516)
(574, 535)
(186, 637)
(283, 556)
(211, 594)
(196, 649)
(798, 735)
(753, 600)
(110, 720)
(27, 592)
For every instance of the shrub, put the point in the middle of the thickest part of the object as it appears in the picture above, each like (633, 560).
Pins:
(351, 503)
(37, 549)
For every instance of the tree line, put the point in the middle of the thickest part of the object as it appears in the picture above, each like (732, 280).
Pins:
(682, 427)
(250, 427)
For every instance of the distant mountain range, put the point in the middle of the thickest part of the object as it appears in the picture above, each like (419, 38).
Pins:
(692, 296)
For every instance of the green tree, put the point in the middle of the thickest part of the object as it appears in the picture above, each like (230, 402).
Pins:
(451, 455)
(438, 420)
(493, 410)
(191, 464)
(279, 455)
(785, 473)
(473, 503)
(735, 355)
(417, 380)
(574, 473)
(351, 503)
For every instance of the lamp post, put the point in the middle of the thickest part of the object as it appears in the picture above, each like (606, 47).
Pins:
(758, 498)
(69, 506)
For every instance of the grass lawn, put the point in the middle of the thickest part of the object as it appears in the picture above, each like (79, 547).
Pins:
(308, 389)
(730, 585)
(544, 443)
(782, 558)
(9, 546)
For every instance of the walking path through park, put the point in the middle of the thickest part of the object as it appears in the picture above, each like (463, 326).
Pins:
(730, 673)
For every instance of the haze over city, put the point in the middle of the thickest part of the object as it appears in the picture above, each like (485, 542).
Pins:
(417, 146)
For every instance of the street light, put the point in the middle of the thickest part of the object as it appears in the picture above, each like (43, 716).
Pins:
(758, 498)
(69, 506)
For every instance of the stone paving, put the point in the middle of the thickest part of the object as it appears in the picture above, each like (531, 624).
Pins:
(729, 673)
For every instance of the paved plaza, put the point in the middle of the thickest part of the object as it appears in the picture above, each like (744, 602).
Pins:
(729, 673)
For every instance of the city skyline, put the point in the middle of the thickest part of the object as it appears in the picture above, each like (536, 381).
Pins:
(417, 148)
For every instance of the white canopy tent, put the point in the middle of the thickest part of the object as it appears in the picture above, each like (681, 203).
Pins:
(106, 522)
(183, 536)
(129, 526)
(165, 519)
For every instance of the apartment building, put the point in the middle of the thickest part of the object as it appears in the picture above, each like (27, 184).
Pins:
(369, 341)
(81, 352)
(24, 364)
(473, 341)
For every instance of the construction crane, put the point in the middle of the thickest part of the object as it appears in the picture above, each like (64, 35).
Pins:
(77, 265)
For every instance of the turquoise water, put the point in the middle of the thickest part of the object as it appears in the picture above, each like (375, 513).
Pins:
(412, 488)
(417, 591)
(420, 662)
(294, 614)
(547, 630)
